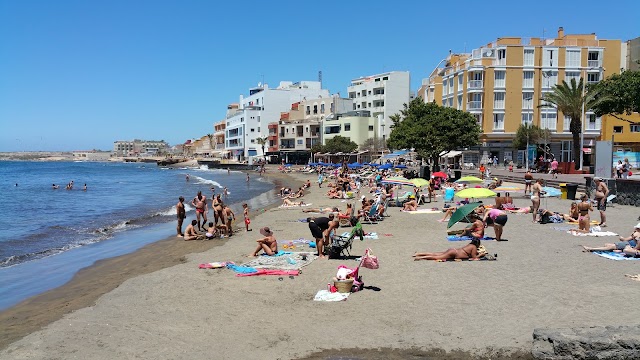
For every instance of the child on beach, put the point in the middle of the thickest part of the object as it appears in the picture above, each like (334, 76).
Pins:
(247, 221)
(211, 232)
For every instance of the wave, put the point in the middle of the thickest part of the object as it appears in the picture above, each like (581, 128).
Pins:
(201, 180)
(172, 211)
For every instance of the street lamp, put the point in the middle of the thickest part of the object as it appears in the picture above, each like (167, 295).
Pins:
(384, 143)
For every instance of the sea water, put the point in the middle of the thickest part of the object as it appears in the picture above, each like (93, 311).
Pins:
(47, 235)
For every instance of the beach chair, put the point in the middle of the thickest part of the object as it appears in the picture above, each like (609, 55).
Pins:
(340, 245)
(371, 216)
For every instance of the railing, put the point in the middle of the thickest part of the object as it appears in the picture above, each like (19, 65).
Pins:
(475, 84)
(502, 61)
(594, 63)
(474, 105)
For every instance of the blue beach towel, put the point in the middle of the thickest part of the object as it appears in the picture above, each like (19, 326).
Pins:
(242, 269)
(279, 253)
(467, 238)
(614, 255)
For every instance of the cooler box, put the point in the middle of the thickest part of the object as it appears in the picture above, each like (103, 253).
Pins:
(563, 191)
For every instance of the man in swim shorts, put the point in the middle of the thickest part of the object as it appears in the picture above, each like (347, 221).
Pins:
(190, 232)
(200, 203)
(601, 199)
(320, 228)
(182, 214)
(227, 217)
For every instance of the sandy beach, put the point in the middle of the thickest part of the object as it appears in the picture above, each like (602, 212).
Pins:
(164, 307)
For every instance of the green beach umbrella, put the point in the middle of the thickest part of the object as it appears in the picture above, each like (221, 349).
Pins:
(470, 180)
(461, 213)
(419, 182)
(475, 193)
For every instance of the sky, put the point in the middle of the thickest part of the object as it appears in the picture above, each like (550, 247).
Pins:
(79, 75)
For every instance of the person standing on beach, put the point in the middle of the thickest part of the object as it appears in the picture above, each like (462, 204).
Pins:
(228, 218)
(182, 214)
(225, 192)
(200, 203)
(601, 199)
(536, 192)
(247, 178)
(217, 209)
(528, 179)
(320, 228)
(247, 221)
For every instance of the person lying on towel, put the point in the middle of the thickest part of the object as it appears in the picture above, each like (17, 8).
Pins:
(268, 243)
(469, 251)
(629, 245)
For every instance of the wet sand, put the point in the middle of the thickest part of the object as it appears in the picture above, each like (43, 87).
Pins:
(409, 309)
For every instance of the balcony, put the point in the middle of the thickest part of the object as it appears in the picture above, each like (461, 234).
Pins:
(474, 105)
(475, 85)
(594, 64)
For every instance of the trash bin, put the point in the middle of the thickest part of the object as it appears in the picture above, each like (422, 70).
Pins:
(457, 174)
(571, 191)
(563, 191)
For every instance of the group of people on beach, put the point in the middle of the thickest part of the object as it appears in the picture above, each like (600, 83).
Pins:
(222, 214)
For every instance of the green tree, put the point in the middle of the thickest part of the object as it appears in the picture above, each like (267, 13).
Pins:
(618, 95)
(262, 141)
(211, 142)
(372, 144)
(526, 135)
(570, 99)
(339, 144)
(431, 129)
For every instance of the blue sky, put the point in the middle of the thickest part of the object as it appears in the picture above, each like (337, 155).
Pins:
(78, 75)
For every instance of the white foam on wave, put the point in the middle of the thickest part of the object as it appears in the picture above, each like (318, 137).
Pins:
(207, 181)
(172, 210)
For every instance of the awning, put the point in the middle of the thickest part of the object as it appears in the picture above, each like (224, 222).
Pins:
(586, 150)
(450, 154)
(253, 152)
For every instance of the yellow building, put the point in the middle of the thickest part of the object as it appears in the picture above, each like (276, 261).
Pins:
(502, 84)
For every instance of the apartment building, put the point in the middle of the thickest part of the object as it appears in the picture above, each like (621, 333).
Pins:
(218, 134)
(501, 84)
(357, 125)
(382, 94)
(249, 121)
(139, 147)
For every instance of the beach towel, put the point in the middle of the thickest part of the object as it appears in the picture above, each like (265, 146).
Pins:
(241, 269)
(294, 206)
(424, 211)
(326, 295)
(593, 233)
(212, 265)
(291, 261)
(614, 255)
(467, 238)
(271, 272)
(370, 236)
(279, 253)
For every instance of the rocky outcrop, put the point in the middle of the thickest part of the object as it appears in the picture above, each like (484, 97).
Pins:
(628, 192)
(602, 343)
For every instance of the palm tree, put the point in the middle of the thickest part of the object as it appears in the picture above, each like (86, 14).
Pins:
(262, 141)
(570, 99)
(527, 134)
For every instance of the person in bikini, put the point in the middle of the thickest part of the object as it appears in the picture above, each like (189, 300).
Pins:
(528, 179)
(287, 202)
(631, 242)
(469, 251)
(601, 199)
(584, 220)
(498, 219)
(536, 192)
(321, 210)
(227, 217)
(217, 209)
(268, 243)
(200, 203)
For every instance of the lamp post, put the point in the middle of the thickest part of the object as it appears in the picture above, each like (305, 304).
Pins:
(384, 143)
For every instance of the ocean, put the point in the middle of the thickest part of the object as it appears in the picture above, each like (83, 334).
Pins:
(47, 235)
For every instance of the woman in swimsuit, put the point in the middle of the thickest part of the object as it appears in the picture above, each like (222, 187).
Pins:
(469, 251)
(217, 209)
(629, 245)
(535, 197)
(584, 221)
(573, 214)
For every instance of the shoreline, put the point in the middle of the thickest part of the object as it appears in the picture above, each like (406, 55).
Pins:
(88, 284)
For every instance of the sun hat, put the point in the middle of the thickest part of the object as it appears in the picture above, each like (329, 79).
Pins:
(638, 226)
(266, 231)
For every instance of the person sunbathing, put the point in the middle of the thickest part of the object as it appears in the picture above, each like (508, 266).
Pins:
(268, 244)
(448, 212)
(347, 213)
(471, 251)
(632, 242)
(287, 202)
(411, 205)
(573, 214)
(584, 220)
(321, 210)
(336, 195)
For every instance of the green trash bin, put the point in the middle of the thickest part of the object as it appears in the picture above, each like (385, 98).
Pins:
(563, 191)
(571, 191)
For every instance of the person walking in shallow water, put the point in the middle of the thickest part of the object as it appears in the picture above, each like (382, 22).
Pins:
(182, 214)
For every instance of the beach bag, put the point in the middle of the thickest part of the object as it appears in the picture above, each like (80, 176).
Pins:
(369, 260)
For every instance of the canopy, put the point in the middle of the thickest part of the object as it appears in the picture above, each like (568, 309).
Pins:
(398, 180)
(462, 213)
(400, 166)
(385, 167)
(439, 174)
(450, 154)
(470, 180)
(396, 154)
(419, 182)
(475, 193)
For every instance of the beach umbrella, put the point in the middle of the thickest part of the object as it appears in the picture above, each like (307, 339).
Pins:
(385, 167)
(507, 189)
(461, 213)
(397, 180)
(470, 180)
(475, 193)
(439, 174)
(313, 164)
(287, 165)
(419, 182)
(400, 166)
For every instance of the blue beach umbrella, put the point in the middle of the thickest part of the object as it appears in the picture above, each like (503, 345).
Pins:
(400, 166)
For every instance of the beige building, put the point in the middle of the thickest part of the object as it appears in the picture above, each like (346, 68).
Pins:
(355, 125)
(502, 84)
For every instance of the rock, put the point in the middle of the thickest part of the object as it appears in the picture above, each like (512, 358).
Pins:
(602, 343)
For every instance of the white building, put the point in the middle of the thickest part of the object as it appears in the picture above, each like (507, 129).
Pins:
(382, 94)
(263, 105)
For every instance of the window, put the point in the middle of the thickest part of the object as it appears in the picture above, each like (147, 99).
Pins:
(499, 79)
(347, 127)
(572, 75)
(593, 59)
(459, 102)
(527, 100)
(593, 122)
(593, 78)
(300, 142)
(548, 121)
(550, 58)
(315, 109)
(502, 57)
(258, 129)
(253, 141)
(460, 79)
(565, 152)
(252, 129)
(617, 129)
(308, 109)
(370, 127)
(385, 78)
(573, 58)
(528, 57)
(321, 108)
(527, 118)
(451, 85)
(498, 100)
(634, 128)
(550, 78)
(498, 121)
(331, 107)
(527, 79)
(566, 124)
